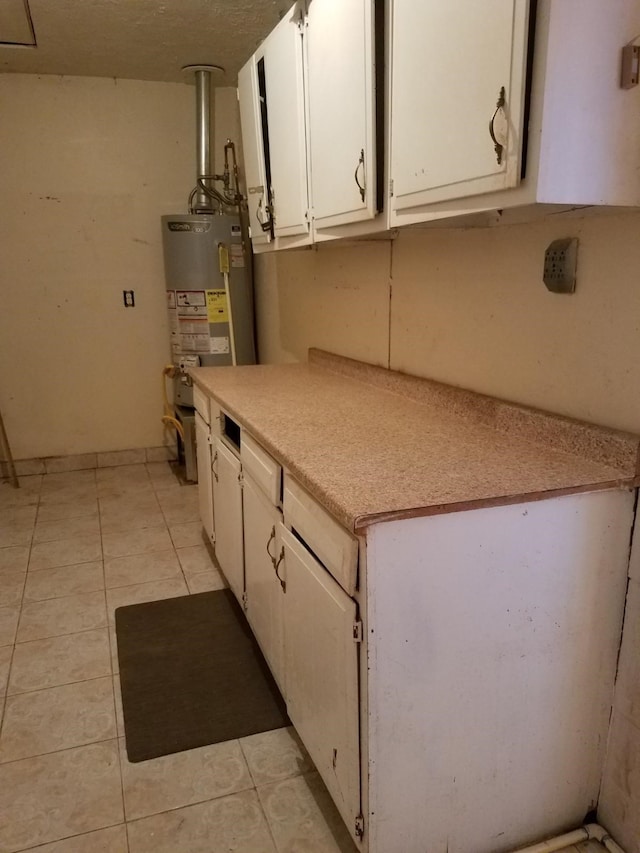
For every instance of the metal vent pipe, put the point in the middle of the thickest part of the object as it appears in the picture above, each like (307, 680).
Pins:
(203, 129)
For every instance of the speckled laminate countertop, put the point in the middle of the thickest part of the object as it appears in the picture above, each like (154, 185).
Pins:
(371, 444)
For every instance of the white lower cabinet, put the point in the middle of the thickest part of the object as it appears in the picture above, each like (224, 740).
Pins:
(264, 594)
(205, 485)
(451, 676)
(322, 636)
(227, 512)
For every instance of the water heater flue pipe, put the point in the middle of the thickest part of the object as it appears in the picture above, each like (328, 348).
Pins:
(591, 831)
(202, 202)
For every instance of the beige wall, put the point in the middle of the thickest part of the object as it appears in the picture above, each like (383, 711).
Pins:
(88, 167)
(468, 307)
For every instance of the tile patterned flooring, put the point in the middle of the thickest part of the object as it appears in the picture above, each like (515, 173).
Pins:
(73, 547)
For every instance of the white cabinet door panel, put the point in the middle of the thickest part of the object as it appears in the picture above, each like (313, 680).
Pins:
(253, 151)
(264, 594)
(449, 63)
(321, 661)
(284, 78)
(227, 508)
(341, 104)
(205, 490)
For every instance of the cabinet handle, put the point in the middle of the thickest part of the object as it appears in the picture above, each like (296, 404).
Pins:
(265, 224)
(361, 186)
(271, 538)
(213, 462)
(497, 146)
(276, 565)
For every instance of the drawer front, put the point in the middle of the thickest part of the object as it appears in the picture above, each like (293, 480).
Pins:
(201, 403)
(336, 549)
(265, 471)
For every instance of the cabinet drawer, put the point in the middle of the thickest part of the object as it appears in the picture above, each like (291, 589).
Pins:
(265, 471)
(201, 403)
(336, 549)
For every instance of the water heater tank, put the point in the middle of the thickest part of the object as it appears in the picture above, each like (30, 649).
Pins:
(209, 293)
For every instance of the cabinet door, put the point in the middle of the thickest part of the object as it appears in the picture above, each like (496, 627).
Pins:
(264, 594)
(253, 152)
(321, 661)
(227, 512)
(284, 84)
(205, 489)
(449, 62)
(341, 106)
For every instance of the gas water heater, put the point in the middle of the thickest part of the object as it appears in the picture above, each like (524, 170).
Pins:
(209, 298)
(207, 263)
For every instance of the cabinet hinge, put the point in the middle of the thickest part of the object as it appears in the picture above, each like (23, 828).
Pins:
(244, 600)
(391, 187)
(241, 479)
(357, 632)
(359, 826)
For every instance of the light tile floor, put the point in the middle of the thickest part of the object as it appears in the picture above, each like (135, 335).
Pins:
(73, 547)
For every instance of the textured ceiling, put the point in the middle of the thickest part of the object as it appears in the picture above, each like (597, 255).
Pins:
(143, 39)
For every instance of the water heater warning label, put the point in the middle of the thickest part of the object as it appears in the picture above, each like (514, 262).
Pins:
(217, 307)
(188, 321)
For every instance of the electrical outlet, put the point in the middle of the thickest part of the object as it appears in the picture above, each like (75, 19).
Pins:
(560, 262)
(129, 299)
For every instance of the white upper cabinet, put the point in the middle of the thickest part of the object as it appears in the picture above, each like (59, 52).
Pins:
(566, 125)
(253, 151)
(280, 61)
(341, 105)
(457, 98)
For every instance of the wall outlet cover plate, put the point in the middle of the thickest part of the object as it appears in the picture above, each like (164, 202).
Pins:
(560, 262)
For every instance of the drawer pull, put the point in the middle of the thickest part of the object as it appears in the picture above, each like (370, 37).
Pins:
(276, 565)
(272, 557)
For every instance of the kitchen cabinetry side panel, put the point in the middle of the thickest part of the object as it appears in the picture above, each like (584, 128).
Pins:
(493, 638)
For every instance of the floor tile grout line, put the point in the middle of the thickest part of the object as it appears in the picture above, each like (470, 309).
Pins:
(67, 838)
(4, 699)
(66, 633)
(4, 764)
(65, 566)
(56, 686)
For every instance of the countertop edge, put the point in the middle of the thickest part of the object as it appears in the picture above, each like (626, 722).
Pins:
(361, 523)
